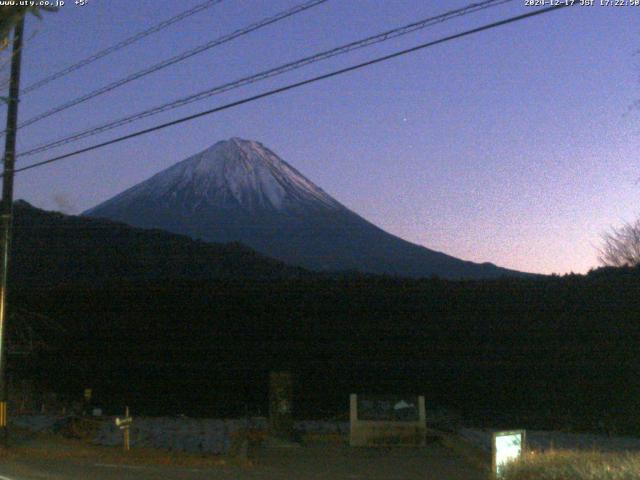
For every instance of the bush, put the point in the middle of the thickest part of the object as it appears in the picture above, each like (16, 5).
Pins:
(571, 465)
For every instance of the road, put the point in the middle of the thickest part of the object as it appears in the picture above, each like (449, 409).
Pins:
(433, 462)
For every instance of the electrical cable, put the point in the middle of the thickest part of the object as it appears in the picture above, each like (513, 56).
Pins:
(120, 45)
(296, 85)
(371, 40)
(173, 60)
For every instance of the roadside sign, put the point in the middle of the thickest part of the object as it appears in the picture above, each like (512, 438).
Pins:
(507, 447)
(386, 420)
(124, 424)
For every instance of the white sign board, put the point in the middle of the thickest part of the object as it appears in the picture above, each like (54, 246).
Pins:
(124, 422)
(507, 447)
(387, 420)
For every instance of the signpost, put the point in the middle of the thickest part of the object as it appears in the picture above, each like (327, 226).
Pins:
(388, 408)
(507, 447)
(280, 405)
(386, 420)
(124, 424)
(87, 401)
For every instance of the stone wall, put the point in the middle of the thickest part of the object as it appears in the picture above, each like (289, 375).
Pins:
(195, 435)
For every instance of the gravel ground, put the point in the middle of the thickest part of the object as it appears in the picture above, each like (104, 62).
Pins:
(315, 462)
(34, 456)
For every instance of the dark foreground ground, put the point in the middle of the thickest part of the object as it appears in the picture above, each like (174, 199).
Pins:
(60, 459)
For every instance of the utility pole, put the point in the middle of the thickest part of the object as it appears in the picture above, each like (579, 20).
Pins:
(6, 213)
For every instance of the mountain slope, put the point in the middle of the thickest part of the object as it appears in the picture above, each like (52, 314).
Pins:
(50, 248)
(238, 190)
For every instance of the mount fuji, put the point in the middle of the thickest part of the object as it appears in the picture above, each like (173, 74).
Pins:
(239, 190)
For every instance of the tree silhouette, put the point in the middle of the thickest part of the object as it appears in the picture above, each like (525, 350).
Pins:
(10, 15)
(621, 246)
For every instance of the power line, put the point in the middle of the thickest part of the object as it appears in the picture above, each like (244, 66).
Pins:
(120, 45)
(297, 84)
(366, 42)
(178, 58)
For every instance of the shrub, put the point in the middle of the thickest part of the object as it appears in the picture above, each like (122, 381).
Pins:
(572, 465)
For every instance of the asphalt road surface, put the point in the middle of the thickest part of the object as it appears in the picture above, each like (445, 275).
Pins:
(333, 462)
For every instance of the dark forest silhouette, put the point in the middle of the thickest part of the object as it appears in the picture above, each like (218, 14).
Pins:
(535, 352)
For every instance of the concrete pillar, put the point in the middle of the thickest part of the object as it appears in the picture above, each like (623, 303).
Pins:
(280, 405)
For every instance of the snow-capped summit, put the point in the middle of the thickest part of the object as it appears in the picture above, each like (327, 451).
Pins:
(235, 173)
(239, 190)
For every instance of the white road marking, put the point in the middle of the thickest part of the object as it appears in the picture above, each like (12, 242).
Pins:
(113, 465)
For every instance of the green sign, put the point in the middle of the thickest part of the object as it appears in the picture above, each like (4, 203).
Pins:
(388, 408)
(507, 447)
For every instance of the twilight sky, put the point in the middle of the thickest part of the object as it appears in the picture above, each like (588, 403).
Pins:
(515, 146)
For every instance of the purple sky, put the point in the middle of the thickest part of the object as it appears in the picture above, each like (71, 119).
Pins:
(515, 146)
